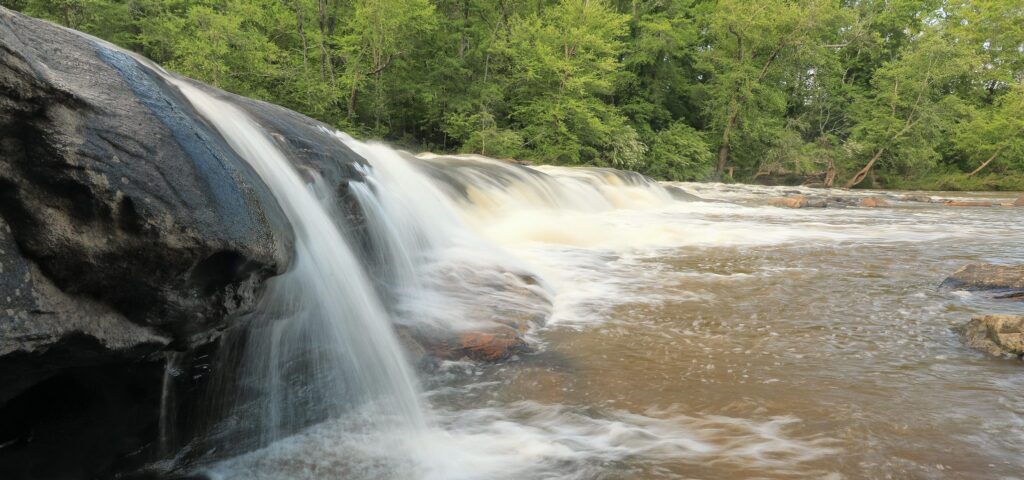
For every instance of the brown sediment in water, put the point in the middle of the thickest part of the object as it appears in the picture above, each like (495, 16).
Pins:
(849, 337)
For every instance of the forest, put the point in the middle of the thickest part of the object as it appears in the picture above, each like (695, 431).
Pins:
(873, 93)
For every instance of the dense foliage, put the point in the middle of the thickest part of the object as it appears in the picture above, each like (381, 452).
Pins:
(894, 92)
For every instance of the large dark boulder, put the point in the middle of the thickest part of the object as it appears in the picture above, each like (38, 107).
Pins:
(129, 233)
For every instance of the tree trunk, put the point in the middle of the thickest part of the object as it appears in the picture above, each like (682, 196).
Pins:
(863, 173)
(830, 174)
(352, 97)
(985, 163)
(994, 155)
(302, 35)
(723, 150)
(326, 65)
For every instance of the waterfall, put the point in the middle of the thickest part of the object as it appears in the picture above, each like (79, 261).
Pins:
(322, 339)
(172, 369)
(443, 274)
(323, 347)
(502, 186)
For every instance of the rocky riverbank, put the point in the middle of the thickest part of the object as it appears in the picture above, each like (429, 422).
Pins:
(843, 199)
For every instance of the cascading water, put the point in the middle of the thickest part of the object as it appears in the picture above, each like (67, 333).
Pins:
(442, 273)
(323, 339)
(321, 324)
(323, 373)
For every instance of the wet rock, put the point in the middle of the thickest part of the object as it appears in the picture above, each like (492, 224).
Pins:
(128, 230)
(113, 191)
(1019, 202)
(998, 335)
(682, 195)
(495, 310)
(492, 345)
(796, 201)
(485, 343)
(844, 201)
(967, 203)
(800, 201)
(1005, 279)
(873, 202)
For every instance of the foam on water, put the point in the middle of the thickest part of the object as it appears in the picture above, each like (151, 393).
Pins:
(531, 440)
(440, 271)
(591, 250)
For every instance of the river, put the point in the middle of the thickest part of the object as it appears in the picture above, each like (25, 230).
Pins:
(713, 339)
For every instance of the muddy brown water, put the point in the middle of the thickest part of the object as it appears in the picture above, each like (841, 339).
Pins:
(814, 343)
(715, 340)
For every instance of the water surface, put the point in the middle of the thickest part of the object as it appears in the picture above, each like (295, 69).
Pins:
(719, 339)
(734, 340)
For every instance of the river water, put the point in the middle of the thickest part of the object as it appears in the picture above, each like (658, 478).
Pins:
(748, 341)
(714, 339)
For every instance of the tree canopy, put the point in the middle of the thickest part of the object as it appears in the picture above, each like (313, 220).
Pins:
(849, 92)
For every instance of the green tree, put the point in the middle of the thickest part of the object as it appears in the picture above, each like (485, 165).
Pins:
(679, 152)
(564, 65)
(377, 38)
(752, 51)
(995, 132)
(902, 119)
(791, 89)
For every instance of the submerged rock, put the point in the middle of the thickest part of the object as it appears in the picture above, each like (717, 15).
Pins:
(874, 202)
(499, 343)
(682, 195)
(499, 309)
(796, 201)
(999, 335)
(967, 203)
(916, 198)
(1006, 280)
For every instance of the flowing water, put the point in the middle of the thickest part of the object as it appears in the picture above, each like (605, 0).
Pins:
(322, 334)
(695, 339)
(686, 339)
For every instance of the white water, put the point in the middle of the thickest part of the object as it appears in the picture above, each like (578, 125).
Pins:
(323, 311)
(440, 270)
